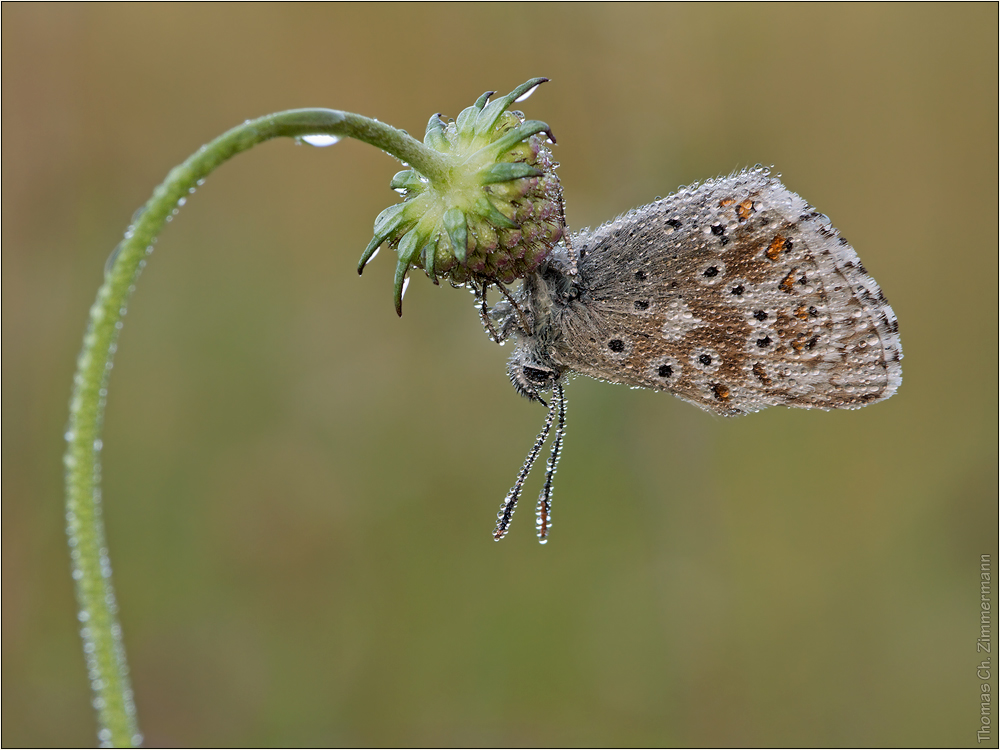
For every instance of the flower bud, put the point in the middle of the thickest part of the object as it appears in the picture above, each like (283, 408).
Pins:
(496, 212)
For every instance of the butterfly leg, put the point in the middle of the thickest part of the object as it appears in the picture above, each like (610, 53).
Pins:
(510, 502)
(484, 313)
(522, 319)
(544, 510)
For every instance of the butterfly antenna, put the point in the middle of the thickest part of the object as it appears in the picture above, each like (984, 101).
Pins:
(544, 522)
(510, 502)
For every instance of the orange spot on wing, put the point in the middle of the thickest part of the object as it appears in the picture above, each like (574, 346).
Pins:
(778, 244)
(745, 209)
(721, 391)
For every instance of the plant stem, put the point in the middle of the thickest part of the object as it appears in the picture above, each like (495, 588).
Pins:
(102, 637)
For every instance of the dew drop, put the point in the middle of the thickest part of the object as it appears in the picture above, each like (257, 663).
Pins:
(527, 93)
(110, 262)
(406, 283)
(320, 140)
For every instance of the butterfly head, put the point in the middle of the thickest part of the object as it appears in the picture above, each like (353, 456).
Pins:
(529, 375)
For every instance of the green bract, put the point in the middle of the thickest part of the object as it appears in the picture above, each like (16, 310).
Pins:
(496, 212)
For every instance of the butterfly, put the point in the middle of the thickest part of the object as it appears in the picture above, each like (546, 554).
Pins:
(733, 294)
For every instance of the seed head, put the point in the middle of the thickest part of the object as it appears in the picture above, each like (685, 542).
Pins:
(496, 214)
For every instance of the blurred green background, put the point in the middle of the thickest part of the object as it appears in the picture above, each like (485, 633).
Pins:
(300, 487)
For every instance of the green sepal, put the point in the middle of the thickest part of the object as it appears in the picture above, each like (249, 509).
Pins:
(408, 247)
(427, 256)
(455, 226)
(505, 171)
(369, 252)
(525, 130)
(397, 288)
(481, 101)
(486, 208)
(389, 220)
(462, 121)
(434, 136)
(385, 224)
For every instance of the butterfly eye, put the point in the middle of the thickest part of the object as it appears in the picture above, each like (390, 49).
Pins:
(537, 375)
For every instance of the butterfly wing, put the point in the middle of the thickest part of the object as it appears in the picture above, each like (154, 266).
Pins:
(734, 295)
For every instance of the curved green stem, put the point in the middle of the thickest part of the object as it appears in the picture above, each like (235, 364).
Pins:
(102, 640)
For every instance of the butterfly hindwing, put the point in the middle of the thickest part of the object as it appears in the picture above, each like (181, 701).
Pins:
(735, 295)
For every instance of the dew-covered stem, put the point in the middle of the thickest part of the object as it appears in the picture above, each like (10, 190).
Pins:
(100, 631)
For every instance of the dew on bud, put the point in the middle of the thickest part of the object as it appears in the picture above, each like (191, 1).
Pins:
(110, 262)
(527, 93)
